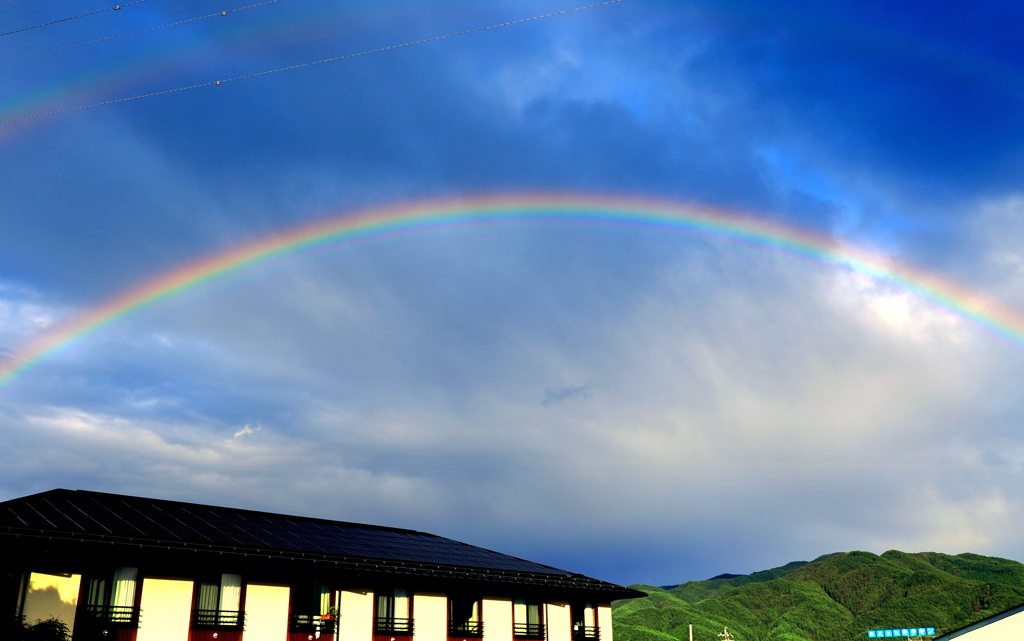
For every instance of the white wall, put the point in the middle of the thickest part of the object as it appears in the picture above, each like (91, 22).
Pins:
(166, 610)
(266, 612)
(604, 621)
(559, 621)
(1012, 627)
(356, 623)
(497, 617)
(430, 612)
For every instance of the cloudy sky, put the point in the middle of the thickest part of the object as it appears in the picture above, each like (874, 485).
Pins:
(634, 405)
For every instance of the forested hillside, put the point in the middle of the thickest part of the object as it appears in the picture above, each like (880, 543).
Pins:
(833, 598)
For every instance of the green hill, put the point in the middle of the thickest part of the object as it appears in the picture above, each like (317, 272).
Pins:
(836, 597)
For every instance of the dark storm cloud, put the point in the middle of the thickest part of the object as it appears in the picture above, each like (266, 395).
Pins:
(903, 93)
(926, 90)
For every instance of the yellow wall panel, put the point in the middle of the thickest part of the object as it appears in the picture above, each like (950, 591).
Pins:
(604, 621)
(559, 621)
(430, 612)
(356, 623)
(497, 618)
(266, 612)
(166, 610)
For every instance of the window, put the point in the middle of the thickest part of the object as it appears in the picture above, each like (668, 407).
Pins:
(219, 603)
(111, 598)
(394, 612)
(314, 608)
(584, 622)
(51, 595)
(464, 617)
(526, 620)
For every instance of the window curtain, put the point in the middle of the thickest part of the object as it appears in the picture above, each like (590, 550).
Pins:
(209, 596)
(97, 593)
(533, 614)
(401, 603)
(519, 611)
(123, 595)
(588, 615)
(231, 592)
(385, 606)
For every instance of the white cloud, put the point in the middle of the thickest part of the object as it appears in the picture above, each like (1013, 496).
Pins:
(24, 314)
(247, 430)
(986, 521)
(723, 386)
(899, 312)
(996, 229)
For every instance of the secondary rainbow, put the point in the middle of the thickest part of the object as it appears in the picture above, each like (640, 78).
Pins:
(537, 209)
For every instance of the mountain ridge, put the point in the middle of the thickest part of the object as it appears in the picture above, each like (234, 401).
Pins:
(839, 595)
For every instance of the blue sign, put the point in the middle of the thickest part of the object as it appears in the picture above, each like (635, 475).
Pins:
(901, 632)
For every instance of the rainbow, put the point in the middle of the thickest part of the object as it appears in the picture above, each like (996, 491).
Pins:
(425, 216)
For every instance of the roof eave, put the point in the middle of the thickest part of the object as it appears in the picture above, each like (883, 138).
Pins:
(331, 562)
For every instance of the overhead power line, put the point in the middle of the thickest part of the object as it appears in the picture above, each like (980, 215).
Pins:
(132, 33)
(305, 64)
(81, 15)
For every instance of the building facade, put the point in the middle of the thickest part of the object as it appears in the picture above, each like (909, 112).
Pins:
(121, 568)
(1003, 626)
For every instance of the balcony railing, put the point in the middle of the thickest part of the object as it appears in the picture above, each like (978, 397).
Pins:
(585, 633)
(528, 630)
(218, 619)
(311, 623)
(465, 628)
(388, 625)
(117, 615)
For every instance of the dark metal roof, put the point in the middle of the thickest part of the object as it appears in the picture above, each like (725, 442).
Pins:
(84, 515)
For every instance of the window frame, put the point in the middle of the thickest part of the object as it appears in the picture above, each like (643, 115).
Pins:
(468, 628)
(96, 607)
(389, 624)
(311, 617)
(580, 630)
(216, 618)
(526, 629)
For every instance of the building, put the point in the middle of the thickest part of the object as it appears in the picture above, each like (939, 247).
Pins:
(1008, 624)
(122, 568)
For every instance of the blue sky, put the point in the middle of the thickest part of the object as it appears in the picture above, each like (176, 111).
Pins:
(619, 402)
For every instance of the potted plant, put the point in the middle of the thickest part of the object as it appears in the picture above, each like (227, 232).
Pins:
(332, 613)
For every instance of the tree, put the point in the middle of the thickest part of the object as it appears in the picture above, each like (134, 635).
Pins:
(52, 629)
